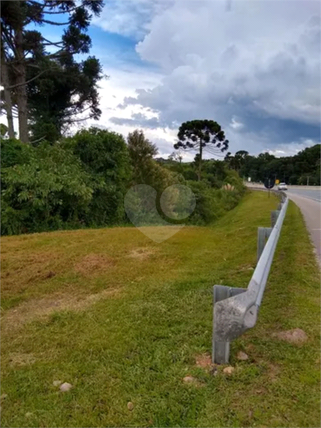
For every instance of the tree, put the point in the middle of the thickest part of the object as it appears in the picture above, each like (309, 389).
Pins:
(104, 156)
(26, 58)
(201, 135)
(141, 152)
(6, 101)
(58, 97)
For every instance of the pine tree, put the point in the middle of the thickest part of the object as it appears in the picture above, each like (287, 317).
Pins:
(28, 62)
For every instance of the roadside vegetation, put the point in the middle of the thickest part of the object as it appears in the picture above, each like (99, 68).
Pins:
(81, 181)
(302, 168)
(124, 320)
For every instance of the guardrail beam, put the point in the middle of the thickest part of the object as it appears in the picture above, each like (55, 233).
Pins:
(235, 309)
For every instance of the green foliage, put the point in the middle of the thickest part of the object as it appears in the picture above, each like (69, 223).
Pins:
(303, 168)
(212, 203)
(104, 156)
(201, 134)
(62, 93)
(145, 169)
(3, 130)
(82, 181)
(44, 192)
(45, 79)
(13, 152)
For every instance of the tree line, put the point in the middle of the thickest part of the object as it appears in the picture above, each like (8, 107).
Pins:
(302, 168)
(81, 181)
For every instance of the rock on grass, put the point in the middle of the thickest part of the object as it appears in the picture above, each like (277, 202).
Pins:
(65, 387)
(130, 406)
(228, 370)
(242, 356)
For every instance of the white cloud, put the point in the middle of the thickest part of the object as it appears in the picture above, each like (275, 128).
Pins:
(254, 66)
(291, 149)
(255, 61)
(235, 124)
(130, 18)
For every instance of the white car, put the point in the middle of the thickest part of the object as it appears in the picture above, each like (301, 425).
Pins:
(282, 186)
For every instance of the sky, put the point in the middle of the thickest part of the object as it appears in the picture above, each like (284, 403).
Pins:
(251, 65)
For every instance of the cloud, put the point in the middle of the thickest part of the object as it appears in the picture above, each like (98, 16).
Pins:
(235, 124)
(130, 18)
(137, 120)
(255, 61)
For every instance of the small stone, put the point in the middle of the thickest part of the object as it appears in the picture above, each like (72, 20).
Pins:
(242, 356)
(4, 396)
(228, 370)
(130, 406)
(28, 414)
(57, 382)
(65, 387)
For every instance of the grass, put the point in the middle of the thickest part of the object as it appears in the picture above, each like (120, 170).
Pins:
(124, 319)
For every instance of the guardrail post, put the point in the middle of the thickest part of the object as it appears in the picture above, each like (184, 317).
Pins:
(274, 217)
(280, 206)
(236, 309)
(221, 350)
(263, 234)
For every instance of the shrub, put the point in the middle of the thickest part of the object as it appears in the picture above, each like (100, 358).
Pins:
(104, 156)
(46, 192)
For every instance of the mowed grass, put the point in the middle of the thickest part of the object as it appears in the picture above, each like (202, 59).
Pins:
(124, 319)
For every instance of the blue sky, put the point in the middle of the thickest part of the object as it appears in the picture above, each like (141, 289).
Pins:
(251, 65)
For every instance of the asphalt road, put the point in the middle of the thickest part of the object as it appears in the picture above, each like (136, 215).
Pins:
(309, 202)
(308, 199)
(308, 193)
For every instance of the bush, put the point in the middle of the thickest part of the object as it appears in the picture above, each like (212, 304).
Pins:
(13, 152)
(212, 203)
(45, 192)
(104, 156)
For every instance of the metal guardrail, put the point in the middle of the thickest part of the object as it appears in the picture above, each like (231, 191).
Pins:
(236, 309)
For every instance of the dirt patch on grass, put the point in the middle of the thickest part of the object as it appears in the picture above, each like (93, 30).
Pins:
(92, 263)
(36, 309)
(21, 359)
(204, 361)
(27, 268)
(141, 253)
(296, 336)
(273, 372)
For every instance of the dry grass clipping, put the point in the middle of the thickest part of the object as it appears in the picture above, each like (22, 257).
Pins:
(42, 308)
(93, 263)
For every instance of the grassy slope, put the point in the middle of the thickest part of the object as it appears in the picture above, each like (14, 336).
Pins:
(123, 318)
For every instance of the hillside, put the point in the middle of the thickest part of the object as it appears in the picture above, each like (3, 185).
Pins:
(124, 320)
